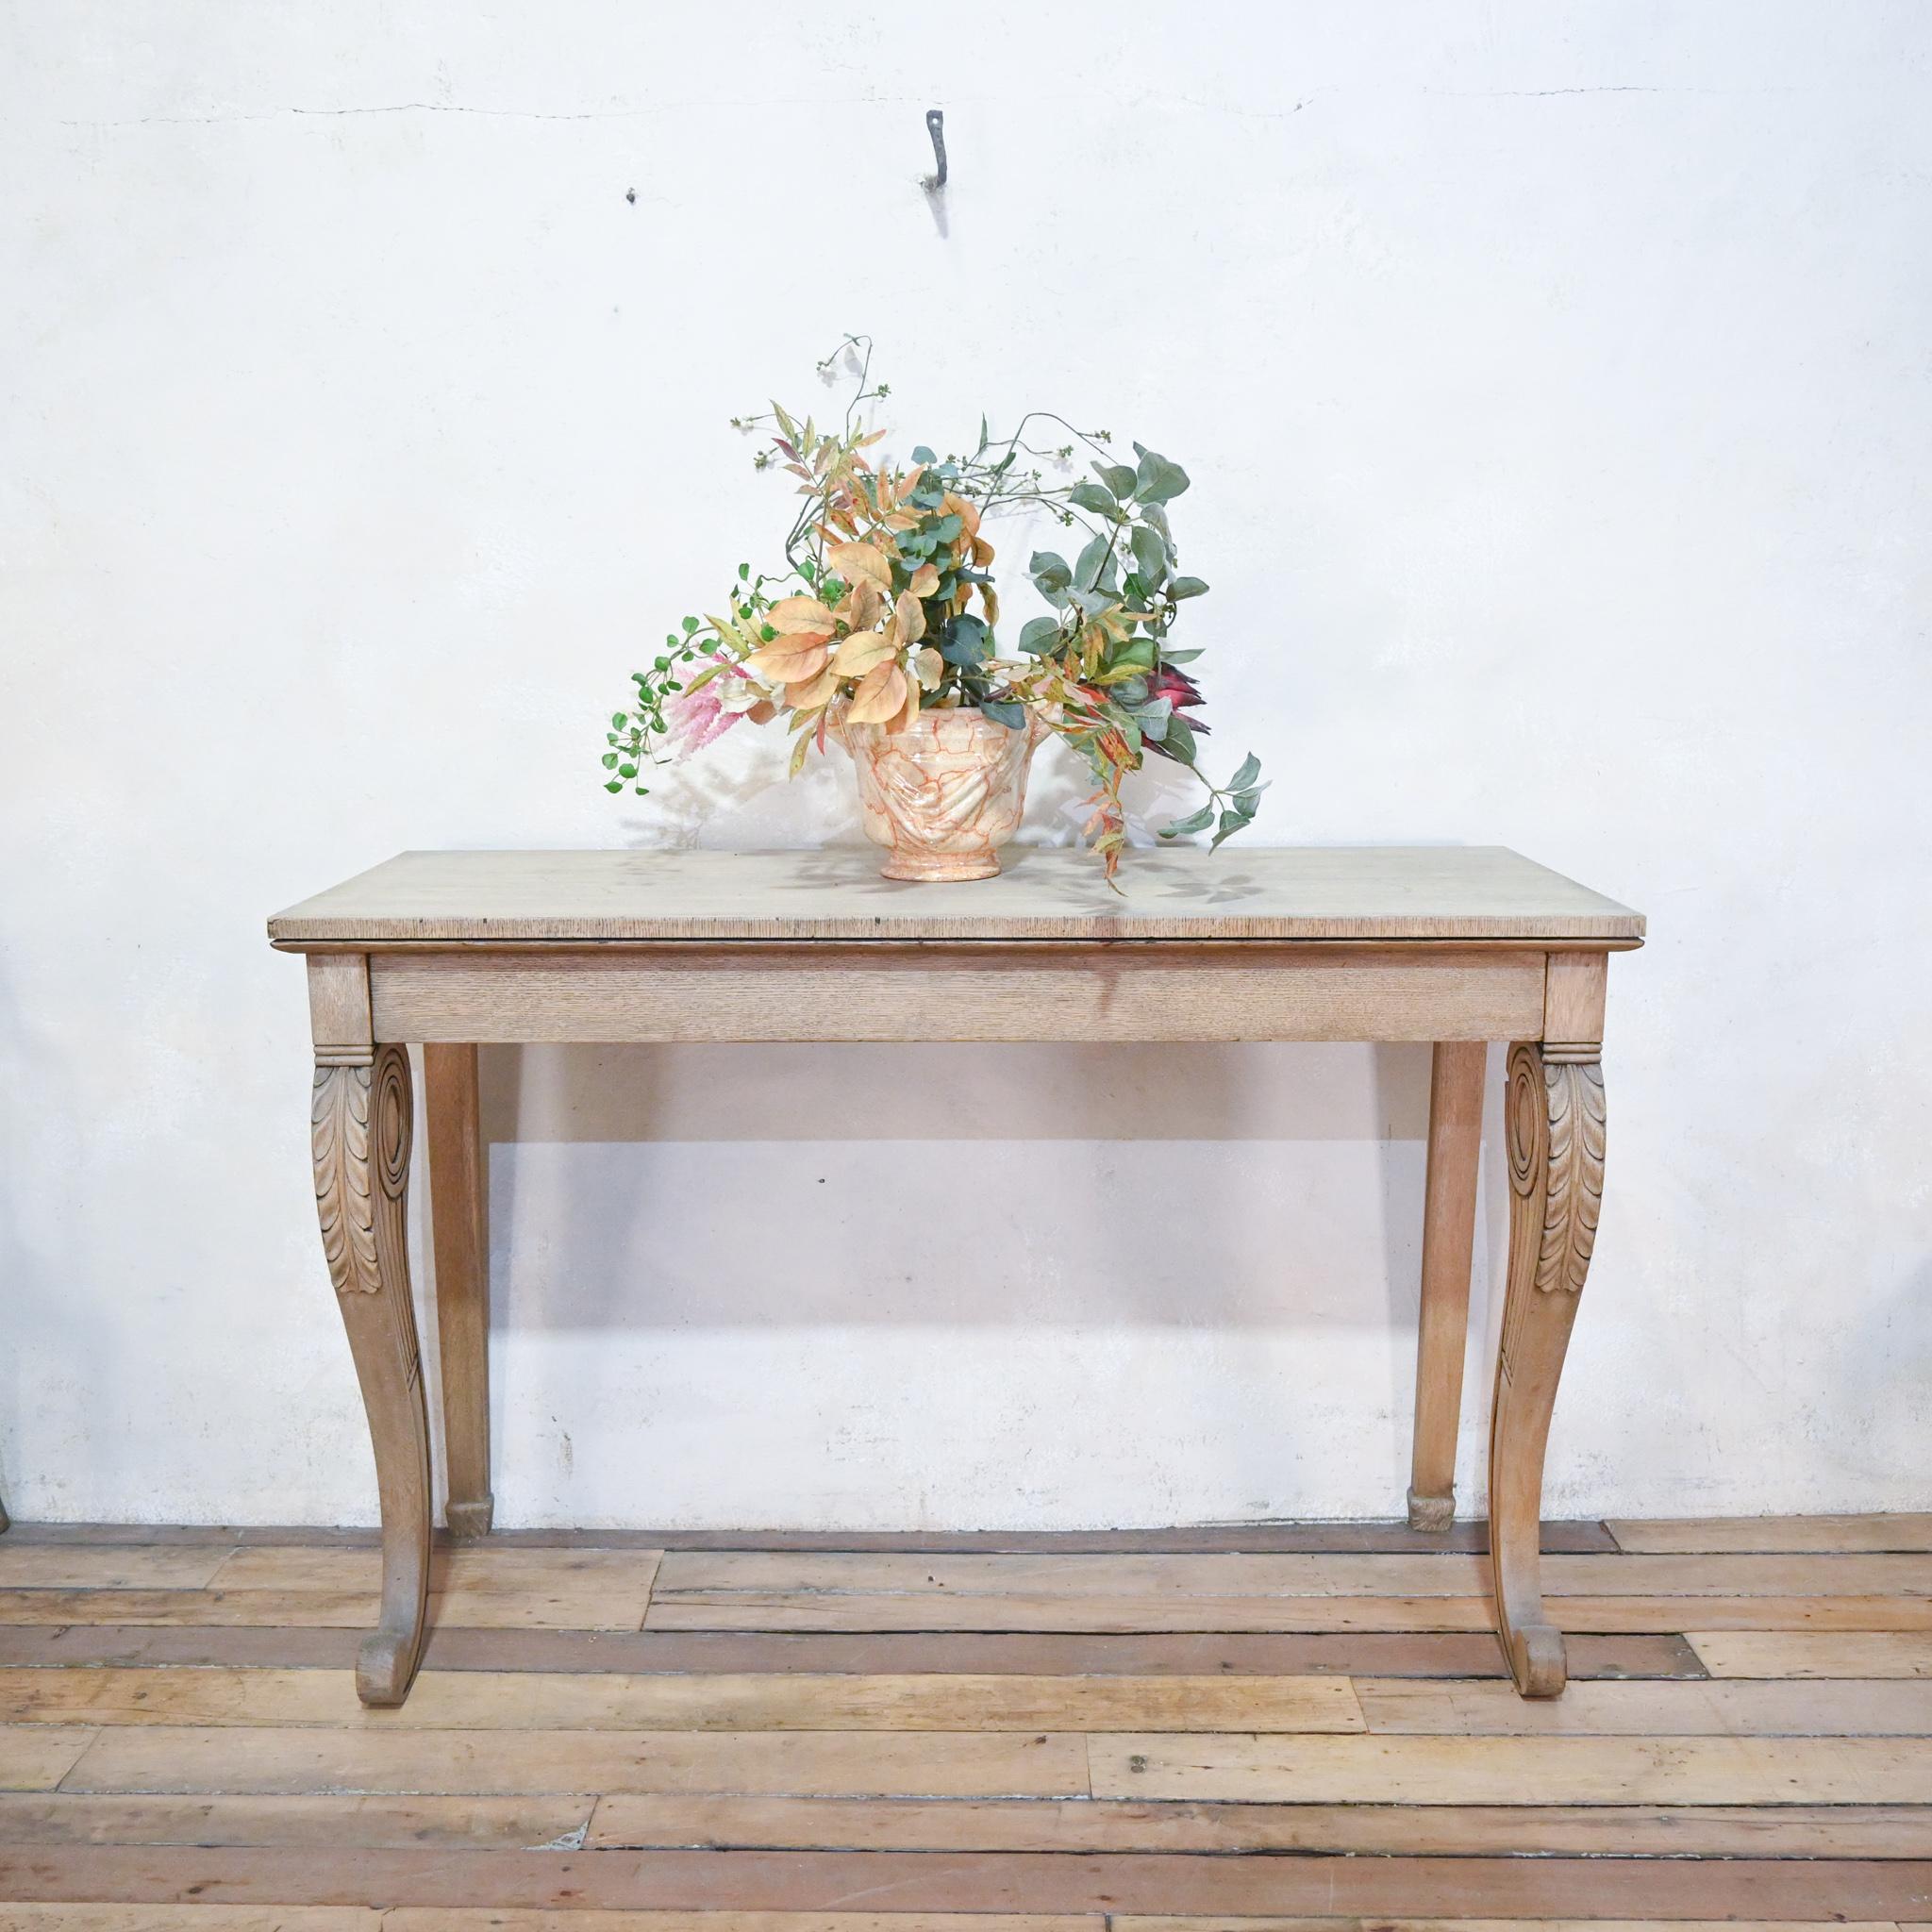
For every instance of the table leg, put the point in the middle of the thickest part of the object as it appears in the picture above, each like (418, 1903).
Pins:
(461, 1226)
(362, 1122)
(1553, 1126)
(1455, 1132)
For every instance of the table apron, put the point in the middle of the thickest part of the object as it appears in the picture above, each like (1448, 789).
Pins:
(980, 991)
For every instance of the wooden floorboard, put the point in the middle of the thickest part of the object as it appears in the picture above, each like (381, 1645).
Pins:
(382, 1759)
(362, 1820)
(1208, 1578)
(1261, 1728)
(1813, 1652)
(1491, 1771)
(774, 1701)
(676, 1821)
(1189, 1652)
(1739, 1534)
(1153, 1884)
(1260, 1538)
(815, 1610)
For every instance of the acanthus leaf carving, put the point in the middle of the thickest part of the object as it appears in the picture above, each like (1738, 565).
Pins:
(339, 1117)
(1556, 1129)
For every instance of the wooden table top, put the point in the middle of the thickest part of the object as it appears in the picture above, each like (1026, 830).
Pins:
(1385, 893)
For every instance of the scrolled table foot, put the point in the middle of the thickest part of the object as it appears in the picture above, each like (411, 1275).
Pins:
(385, 1667)
(1431, 1513)
(1537, 1659)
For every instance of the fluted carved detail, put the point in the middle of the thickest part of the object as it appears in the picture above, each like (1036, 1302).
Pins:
(1555, 1126)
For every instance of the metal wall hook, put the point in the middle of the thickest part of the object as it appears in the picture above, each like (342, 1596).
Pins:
(936, 126)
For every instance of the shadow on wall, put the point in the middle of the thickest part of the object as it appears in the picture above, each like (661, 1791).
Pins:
(1222, 1186)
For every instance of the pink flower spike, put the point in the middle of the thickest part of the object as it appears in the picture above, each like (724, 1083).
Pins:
(698, 720)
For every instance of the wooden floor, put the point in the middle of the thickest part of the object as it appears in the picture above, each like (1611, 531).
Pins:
(1301, 1726)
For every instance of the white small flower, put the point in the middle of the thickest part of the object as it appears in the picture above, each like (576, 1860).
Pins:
(739, 692)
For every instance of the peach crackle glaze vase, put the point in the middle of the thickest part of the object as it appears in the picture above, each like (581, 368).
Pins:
(945, 793)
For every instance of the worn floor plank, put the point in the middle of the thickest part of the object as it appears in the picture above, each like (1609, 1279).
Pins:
(350, 1820)
(1513, 1771)
(1044, 1653)
(823, 1763)
(1215, 1577)
(673, 1821)
(825, 1611)
(624, 1575)
(441, 1919)
(61, 1566)
(593, 1608)
(33, 1759)
(1735, 1534)
(772, 1702)
(1473, 1537)
(1848, 1709)
(15, 1917)
(1124, 1922)
(1098, 1615)
(1884, 1891)
(1813, 1653)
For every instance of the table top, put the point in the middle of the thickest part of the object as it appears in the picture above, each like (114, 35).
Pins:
(1386, 892)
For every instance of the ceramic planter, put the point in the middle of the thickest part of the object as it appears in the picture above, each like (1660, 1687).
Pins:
(945, 793)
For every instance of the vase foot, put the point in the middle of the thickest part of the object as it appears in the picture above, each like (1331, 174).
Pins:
(941, 866)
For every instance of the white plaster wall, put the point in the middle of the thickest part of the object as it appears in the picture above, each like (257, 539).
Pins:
(1555, 382)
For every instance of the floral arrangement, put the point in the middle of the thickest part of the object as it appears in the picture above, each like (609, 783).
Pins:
(887, 606)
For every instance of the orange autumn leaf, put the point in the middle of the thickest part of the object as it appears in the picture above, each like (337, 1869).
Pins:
(860, 652)
(801, 617)
(821, 691)
(880, 697)
(909, 618)
(788, 660)
(982, 552)
(905, 719)
(966, 510)
(866, 606)
(926, 580)
(860, 562)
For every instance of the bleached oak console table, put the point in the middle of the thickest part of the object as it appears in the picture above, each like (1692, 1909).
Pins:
(1453, 946)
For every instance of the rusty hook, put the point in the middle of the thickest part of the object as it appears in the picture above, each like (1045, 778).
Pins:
(936, 126)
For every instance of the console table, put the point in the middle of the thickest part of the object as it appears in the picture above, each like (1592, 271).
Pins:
(1454, 946)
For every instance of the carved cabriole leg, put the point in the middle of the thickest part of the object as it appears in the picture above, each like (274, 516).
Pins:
(1554, 1128)
(1455, 1132)
(362, 1122)
(459, 1218)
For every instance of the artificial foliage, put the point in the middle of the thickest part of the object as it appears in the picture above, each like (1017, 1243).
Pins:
(887, 606)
